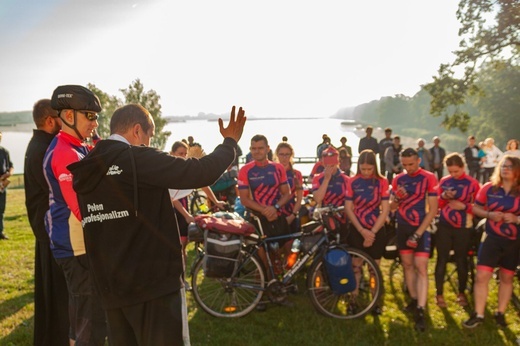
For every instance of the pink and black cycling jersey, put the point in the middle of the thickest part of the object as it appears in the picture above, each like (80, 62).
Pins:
(336, 190)
(263, 181)
(466, 189)
(63, 150)
(366, 195)
(317, 169)
(419, 186)
(496, 199)
(294, 178)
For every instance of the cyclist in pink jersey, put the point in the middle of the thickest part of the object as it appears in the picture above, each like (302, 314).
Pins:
(367, 209)
(499, 202)
(284, 154)
(457, 192)
(414, 196)
(330, 187)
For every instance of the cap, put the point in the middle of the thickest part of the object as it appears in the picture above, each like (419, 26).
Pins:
(75, 97)
(330, 156)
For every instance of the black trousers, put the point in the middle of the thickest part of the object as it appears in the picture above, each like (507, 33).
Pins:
(458, 239)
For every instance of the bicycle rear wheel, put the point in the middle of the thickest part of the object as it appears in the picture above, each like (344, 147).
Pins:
(351, 305)
(229, 297)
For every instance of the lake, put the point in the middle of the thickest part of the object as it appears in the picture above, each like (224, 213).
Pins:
(303, 134)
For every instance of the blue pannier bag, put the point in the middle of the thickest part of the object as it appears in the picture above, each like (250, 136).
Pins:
(340, 272)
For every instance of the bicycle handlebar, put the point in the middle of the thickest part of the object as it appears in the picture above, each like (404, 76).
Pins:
(328, 209)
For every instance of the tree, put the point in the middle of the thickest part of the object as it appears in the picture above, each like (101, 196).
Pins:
(149, 100)
(109, 104)
(490, 31)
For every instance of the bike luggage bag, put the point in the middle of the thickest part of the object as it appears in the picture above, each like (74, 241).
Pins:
(340, 272)
(222, 251)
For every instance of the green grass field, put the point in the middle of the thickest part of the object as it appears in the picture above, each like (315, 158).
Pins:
(299, 325)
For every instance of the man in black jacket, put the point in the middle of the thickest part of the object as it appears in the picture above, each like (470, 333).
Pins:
(51, 298)
(472, 159)
(130, 228)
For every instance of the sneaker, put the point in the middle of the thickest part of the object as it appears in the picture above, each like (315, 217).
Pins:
(377, 311)
(462, 300)
(473, 321)
(441, 303)
(500, 319)
(420, 321)
(410, 308)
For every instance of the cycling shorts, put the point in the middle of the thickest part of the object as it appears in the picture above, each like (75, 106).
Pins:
(424, 244)
(498, 252)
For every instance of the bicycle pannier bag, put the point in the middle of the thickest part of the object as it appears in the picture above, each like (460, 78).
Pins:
(222, 250)
(340, 272)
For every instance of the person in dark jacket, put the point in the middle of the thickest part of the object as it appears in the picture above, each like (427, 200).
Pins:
(472, 158)
(134, 254)
(51, 298)
(437, 153)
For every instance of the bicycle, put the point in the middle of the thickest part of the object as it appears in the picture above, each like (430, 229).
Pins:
(238, 294)
(198, 202)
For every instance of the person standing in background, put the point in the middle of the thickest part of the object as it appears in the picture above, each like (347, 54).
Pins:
(383, 145)
(513, 148)
(6, 170)
(424, 155)
(438, 153)
(472, 158)
(489, 162)
(368, 142)
(51, 320)
(393, 159)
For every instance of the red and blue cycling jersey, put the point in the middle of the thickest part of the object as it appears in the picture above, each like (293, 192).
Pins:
(419, 186)
(366, 194)
(317, 169)
(494, 198)
(336, 190)
(64, 228)
(264, 181)
(466, 189)
(295, 180)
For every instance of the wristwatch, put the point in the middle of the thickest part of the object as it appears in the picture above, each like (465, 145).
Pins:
(276, 206)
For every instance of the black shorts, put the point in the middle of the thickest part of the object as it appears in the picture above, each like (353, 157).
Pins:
(87, 318)
(424, 244)
(275, 228)
(497, 251)
(355, 240)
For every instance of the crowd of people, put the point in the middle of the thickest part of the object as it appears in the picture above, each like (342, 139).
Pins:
(101, 211)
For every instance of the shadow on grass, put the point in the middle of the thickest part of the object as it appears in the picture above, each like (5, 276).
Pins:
(13, 305)
(21, 335)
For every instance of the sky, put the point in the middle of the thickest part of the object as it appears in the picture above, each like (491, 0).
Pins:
(283, 58)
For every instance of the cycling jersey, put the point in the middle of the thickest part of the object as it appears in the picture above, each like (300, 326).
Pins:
(466, 189)
(263, 181)
(366, 195)
(496, 199)
(295, 179)
(64, 228)
(419, 186)
(336, 190)
(317, 169)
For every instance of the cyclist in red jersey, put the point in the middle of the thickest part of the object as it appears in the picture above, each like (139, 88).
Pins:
(499, 202)
(330, 187)
(457, 192)
(284, 154)
(414, 196)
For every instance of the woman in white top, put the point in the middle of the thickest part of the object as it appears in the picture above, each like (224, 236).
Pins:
(493, 155)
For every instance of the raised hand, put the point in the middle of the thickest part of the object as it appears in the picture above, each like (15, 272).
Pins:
(236, 125)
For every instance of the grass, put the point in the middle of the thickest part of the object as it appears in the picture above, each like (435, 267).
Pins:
(299, 325)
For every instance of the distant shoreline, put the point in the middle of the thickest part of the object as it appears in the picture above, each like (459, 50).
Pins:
(27, 127)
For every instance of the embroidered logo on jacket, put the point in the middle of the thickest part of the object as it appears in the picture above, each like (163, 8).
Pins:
(113, 170)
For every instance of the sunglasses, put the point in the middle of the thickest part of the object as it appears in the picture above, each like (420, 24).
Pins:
(90, 115)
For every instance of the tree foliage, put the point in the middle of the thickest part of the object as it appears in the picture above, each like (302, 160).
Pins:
(133, 94)
(490, 31)
(150, 100)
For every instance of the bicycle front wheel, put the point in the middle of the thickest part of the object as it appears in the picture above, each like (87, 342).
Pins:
(350, 305)
(229, 297)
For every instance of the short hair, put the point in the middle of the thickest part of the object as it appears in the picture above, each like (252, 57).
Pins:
(471, 137)
(178, 144)
(397, 137)
(454, 159)
(369, 128)
(258, 138)
(388, 129)
(409, 152)
(41, 110)
(127, 116)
